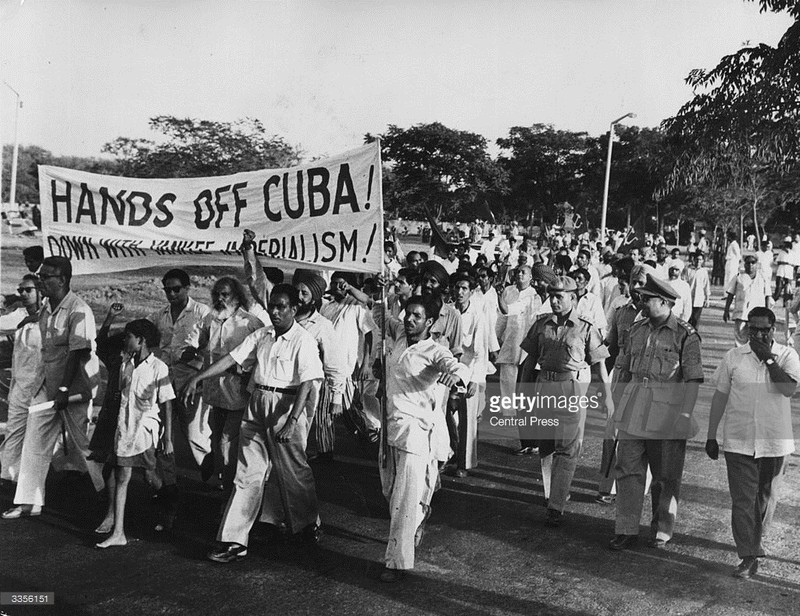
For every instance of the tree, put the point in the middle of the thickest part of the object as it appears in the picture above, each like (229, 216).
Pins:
(543, 165)
(740, 133)
(429, 165)
(30, 157)
(197, 148)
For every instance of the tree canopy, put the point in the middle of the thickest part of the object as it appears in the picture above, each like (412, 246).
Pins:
(447, 170)
(197, 148)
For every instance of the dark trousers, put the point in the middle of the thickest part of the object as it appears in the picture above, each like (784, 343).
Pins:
(754, 485)
(695, 318)
(665, 459)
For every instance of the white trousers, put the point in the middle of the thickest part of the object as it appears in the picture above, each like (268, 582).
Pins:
(42, 434)
(407, 481)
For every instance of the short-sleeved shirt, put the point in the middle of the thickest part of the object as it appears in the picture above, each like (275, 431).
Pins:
(70, 326)
(748, 293)
(758, 418)
(333, 361)
(216, 337)
(591, 307)
(619, 329)
(351, 321)
(569, 347)
(177, 336)
(280, 361)
(659, 359)
(25, 364)
(447, 330)
(142, 389)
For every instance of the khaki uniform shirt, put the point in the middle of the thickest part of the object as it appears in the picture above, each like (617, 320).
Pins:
(659, 361)
(571, 347)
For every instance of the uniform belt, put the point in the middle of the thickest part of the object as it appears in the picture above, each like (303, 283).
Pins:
(290, 391)
(552, 375)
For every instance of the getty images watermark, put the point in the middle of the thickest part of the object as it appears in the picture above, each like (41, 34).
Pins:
(520, 410)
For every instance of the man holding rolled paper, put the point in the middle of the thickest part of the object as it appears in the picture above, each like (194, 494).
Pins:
(69, 372)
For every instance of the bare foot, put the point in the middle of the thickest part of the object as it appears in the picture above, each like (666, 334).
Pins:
(113, 540)
(106, 526)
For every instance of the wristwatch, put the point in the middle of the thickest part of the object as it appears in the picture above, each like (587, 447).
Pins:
(770, 361)
(63, 389)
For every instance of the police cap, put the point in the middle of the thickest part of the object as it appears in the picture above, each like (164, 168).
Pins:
(562, 284)
(655, 287)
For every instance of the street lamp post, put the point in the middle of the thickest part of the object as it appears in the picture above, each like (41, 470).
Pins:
(604, 211)
(12, 193)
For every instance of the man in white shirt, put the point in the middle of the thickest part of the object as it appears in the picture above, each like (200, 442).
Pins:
(765, 259)
(683, 306)
(24, 366)
(755, 383)
(409, 470)
(285, 362)
(589, 305)
(750, 290)
(732, 257)
(699, 285)
(177, 324)
(353, 325)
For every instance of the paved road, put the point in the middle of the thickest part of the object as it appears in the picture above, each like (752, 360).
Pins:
(486, 550)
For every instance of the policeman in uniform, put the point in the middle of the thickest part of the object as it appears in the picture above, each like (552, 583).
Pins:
(565, 346)
(663, 369)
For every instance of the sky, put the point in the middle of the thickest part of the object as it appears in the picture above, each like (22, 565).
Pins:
(323, 73)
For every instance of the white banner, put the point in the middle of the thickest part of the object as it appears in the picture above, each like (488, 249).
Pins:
(326, 214)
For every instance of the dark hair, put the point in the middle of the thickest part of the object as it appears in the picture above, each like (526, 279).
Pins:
(62, 265)
(760, 311)
(413, 252)
(289, 291)
(488, 270)
(625, 267)
(432, 304)
(142, 328)
(563, 261)
(274, 275)
(179, 275)
(410, 275)
(33, 277)
(582, 271)
(236, 287)
(34, 253)
(463, 276)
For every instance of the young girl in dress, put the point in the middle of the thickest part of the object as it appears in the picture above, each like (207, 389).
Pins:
(145, 390)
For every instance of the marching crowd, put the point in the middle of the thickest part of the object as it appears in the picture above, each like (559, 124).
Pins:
(253, 382)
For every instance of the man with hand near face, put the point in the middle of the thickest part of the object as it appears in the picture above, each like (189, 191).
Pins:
(755, 383)
(750, 290)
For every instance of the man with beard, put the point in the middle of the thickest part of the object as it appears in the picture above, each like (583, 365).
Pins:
(662, 369)
(221, 331)
(446, 330)
(414, 365)
(353, 325)
(325, 402)
(285, 362)
(69, 368)
(569, 350)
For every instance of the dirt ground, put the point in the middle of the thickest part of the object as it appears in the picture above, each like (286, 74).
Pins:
(486, 550)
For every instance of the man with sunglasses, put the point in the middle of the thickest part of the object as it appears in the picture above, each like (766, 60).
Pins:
(24, 365)
(179, 324)
(69, 367)
(755, 383)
